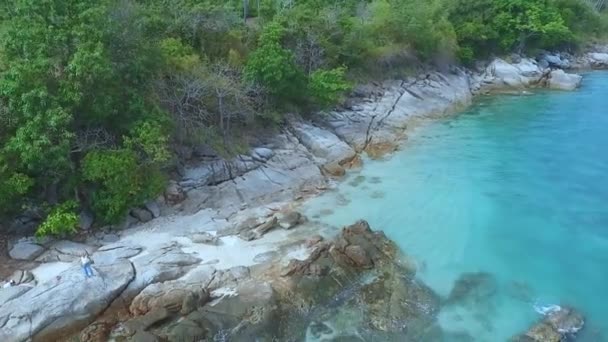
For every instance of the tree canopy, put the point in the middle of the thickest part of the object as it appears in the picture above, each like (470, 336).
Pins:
(95, 93)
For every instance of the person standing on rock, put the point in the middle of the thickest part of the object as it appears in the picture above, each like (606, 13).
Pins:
(86, 265)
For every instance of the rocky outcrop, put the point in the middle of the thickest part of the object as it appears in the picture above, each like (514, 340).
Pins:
(560, 80)
(360, 271)
(67, 303)
(559, 324)
(383, 118)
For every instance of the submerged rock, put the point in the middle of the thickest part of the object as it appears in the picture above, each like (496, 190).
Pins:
(472, 289)
(359, 271)
(559, 325)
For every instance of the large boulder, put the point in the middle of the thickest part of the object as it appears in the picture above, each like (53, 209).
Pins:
(26, 250)
(560, 80)
(598, 60)
(323, 144)
(67, 303)
(65, 251)
(143, 215)
(520, 75)
(555, 61)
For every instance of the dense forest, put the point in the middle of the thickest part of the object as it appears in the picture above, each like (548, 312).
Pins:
(95, 94)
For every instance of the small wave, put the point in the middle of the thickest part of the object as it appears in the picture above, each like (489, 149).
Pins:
(546, 309)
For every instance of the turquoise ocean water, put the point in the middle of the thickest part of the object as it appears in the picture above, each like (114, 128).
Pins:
(516, 187)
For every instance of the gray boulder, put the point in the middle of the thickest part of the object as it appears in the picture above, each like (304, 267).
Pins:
(556, 61)
(262, 153)
(322, 143)
(153, 207)
(56, 307)
(65, 251)
(142, 215)
(560, 80)
(25, 250)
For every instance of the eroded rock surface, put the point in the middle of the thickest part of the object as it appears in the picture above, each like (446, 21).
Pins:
(58, 306)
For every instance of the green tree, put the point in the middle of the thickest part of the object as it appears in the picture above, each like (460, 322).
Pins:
(274, 67)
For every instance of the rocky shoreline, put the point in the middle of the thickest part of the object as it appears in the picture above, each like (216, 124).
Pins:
(225, 253)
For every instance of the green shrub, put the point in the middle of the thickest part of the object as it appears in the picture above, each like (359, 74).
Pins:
(327, 86)
(62, 221)
(122, 182)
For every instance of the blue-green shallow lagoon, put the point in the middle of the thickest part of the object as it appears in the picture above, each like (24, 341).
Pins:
(516, 186)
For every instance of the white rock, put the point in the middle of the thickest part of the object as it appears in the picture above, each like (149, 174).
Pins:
(598, 59)
(558, 79)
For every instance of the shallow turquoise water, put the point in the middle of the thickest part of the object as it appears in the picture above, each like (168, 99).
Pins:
(517, 186)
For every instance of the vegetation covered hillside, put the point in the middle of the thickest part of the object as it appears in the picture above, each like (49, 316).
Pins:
(94, 94)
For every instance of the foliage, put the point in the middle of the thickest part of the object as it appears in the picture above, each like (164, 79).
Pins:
(327, 86)
(273, 66)
(94, 93)
(122, 182)
(62, 221)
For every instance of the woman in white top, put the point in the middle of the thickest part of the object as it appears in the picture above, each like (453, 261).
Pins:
(86, 265)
